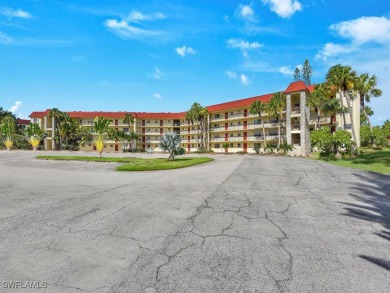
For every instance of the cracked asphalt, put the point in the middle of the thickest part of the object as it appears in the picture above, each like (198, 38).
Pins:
(237, 224)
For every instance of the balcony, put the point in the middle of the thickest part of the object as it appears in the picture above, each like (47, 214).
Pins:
(295, 127)
(295, 110)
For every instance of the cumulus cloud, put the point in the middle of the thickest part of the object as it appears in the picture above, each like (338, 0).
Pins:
(244, 46)
(182, 51)
(332, 50)
(246, 12)
(283, 8)
(157, 74)
(130, 27)
(244, 79)
(15, 108)
(364, 29)
(157, 96)
(9, 12)
(286, 70)
(231, 74)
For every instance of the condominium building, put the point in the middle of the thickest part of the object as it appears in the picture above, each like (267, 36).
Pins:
(229, 122)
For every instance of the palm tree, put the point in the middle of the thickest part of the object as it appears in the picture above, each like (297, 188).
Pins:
(316, 101)
(203, 114)
(257, 108)
(331, 108)
(170, 141)
(276, 106)
(34, 135)
(129, 119)
(366, 87)
(57, 115)
(7, 131)
(194, 115)
(343, 79)
(99, 131)
(134, 137)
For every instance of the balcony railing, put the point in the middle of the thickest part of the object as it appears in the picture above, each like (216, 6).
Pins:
(248, 138)
(295, 127)
(296, 110)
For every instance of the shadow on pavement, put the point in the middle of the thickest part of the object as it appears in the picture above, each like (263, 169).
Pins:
(373, 192)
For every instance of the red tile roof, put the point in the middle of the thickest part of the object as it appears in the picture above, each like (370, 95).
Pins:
(23, 121)
(293, 87)
(239, 103)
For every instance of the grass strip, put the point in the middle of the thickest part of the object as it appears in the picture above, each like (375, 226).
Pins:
(374, 160)
(136, 164)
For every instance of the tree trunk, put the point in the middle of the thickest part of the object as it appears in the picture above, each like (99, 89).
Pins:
(342, 107)
(331, 122)
(351, 118)
(369, 123)
(264, 139)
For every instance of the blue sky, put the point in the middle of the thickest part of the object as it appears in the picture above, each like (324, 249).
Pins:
(164, 55)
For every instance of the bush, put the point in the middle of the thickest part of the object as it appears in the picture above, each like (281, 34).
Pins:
(377, 137)
(331, 143)
(257, 149)
(241, 152)
(285, 147)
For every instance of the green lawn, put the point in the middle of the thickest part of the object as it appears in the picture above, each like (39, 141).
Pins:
(370, 160)
(136, 164)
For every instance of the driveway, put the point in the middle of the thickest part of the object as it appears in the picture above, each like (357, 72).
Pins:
(237, 224)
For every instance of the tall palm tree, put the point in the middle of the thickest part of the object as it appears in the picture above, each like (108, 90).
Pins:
(317, 100)
(257, 108)
(343, 78)
(57, 115)
(99, 131)
(203, 114)
(277, 105)
(129, 119)
(134, 138)
(332, 108)
(193, 115)
(366, 87)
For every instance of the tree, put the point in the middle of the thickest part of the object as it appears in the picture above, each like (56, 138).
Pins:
(57, 115)
(275, 108)
(285, 147)
(34, 135)
(331, 142)
(129, 119)
(7, 131)
(134, 137)
(257, 108)
(297, 74)
(366, 87)
(307, 72)
(99, 131)
(386, 128)
(197, 115)
(343, 79)
(373, 137)
(368, 112)
(332, 108)
(170, 141)
(316, 101)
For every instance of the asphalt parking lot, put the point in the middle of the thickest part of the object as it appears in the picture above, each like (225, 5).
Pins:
(237, 224)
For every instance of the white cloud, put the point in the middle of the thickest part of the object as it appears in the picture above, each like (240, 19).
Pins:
(182, 51)
(244, 46)
(244, 79)
(136, 16)
(231, 74)
(157, 96)
(124, 30)
(9, 12)
(130, 28)
(246, 12)
(286, 70)
(15, 108)
(283, 8)
(364, 29)
(332, 50)
(157, 74)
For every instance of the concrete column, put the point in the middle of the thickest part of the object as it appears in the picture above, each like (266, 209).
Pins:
(208, 133)
(304, 125)
(135, 125)
(288, 118)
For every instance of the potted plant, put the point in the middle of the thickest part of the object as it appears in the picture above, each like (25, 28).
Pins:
(226, 147)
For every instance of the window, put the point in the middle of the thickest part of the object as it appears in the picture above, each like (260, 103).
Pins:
(156, 121)
(148, 121)
(231, 145)
(148, 145)
(239, 134)
(148, 129)
(257, 122)
(239, 122)
(125, 129)
(257, 133)
(239, 145)
(231, 134)
(257, 145)
(216, 116)
(111, 145)
(231, 124)
(216, 145)
(216, 125)
(231, 113)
